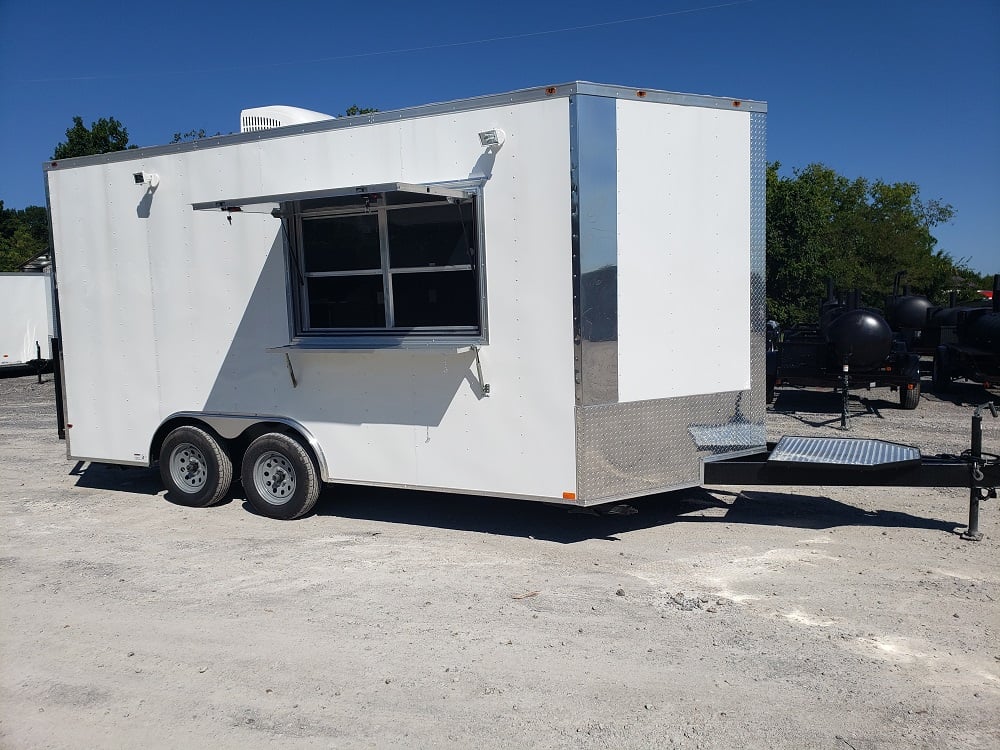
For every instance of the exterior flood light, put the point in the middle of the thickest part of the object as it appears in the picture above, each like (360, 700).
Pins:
(146, 178)
(492, 139)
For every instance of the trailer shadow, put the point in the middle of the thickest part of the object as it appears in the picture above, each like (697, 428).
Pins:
(964, 393)
(811, 406)
(814, 512)
(554, 523)
(808, 404)
(568, 525)
(22, 371)
(134, 479)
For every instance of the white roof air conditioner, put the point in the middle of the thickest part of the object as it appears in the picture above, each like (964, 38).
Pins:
(277, 116)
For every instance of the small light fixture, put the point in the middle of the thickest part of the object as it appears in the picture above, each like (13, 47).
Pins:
(146, 178)
(492, 139)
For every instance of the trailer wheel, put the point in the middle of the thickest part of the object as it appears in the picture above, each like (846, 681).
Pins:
(940, 377)
(280, 477)
(195, 467)
(908, 399)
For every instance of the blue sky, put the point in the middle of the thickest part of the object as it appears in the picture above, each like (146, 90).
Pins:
(898, 90)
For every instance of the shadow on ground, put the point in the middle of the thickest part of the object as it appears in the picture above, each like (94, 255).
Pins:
(20, 371)
(963, 393)
(566, 525)
(132, 479)
(555, 523)
(820, 407)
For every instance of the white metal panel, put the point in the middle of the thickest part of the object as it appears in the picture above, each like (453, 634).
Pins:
(212, 299)
(106, 317)
(418, 417)
(25, 317)
(683, 250)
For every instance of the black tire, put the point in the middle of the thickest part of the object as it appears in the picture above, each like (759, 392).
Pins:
(940, 376)
(909, 398)
(195, 467)
(279, 477)
(769, 391)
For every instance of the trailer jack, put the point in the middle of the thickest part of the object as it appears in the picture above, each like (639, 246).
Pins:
(978, 493)
(845, 388)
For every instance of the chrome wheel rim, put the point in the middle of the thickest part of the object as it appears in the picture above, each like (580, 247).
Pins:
(274, 478)
(188, 468)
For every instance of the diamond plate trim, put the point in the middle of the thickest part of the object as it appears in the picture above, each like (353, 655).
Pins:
(650, 446)
(758, 264)
(842, 452)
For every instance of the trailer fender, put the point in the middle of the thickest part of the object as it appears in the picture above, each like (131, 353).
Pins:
(241, 430)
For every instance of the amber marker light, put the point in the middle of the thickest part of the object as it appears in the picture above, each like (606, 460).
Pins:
(737, 104)
(550, 90)
(641, 94)
(569, 496)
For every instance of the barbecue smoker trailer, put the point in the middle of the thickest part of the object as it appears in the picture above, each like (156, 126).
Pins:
(554, 294)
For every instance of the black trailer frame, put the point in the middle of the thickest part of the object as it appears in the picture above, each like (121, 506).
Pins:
(819, 466)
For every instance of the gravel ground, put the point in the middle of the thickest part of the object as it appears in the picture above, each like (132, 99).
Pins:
(819, 617)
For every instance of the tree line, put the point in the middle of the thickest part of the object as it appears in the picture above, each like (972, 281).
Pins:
(820, 225)
(859, 233)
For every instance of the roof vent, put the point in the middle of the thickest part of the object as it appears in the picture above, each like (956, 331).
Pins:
(277, 116)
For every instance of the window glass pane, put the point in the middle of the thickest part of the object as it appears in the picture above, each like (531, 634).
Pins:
(346, 301)
(436, 298)
(437, 235)
(341, 243)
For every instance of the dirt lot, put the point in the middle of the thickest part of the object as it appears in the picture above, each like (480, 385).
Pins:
(819, 617)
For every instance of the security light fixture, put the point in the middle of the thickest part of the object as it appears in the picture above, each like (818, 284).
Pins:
(492, 139)
(146, 178)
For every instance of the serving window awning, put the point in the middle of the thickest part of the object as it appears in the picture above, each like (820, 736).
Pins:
(270, 203)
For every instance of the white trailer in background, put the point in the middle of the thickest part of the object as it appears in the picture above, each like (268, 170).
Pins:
(26, 320)
(554, 294)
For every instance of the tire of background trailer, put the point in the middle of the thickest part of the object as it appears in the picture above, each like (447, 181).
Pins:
(280, 477)
(908, 399)
(195, 467)
(769, 390)
(940, 377)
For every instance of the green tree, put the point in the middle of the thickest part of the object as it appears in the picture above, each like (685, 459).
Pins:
(858, 232)
(192, 135)
(354, 109)
(23, 235)
(102, 137)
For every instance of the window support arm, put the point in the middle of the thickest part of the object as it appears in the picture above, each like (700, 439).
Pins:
(483, 385)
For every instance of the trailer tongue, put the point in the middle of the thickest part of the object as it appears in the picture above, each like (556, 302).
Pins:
(863, 462)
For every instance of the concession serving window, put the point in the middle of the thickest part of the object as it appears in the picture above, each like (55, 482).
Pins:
(371, 266)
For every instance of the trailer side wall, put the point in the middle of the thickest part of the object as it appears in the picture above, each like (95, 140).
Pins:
(189, 307)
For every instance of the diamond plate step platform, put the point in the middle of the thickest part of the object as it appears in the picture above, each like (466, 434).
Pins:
(860, 453)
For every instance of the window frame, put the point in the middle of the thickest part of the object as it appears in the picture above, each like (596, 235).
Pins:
(305, 336)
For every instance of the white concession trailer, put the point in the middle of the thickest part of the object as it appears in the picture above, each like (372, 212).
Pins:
(26, 320)
(554, 294)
